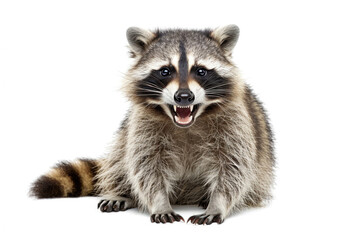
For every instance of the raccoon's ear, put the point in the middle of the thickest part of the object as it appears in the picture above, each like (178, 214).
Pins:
(227, 37)
(139, 39)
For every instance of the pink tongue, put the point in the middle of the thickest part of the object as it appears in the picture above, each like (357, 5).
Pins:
(183, 112)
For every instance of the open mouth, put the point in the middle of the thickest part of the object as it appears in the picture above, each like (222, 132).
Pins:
(184, 115)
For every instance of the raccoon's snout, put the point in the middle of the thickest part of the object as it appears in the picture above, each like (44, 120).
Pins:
(184, 97)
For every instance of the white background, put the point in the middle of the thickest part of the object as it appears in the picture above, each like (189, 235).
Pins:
(61, 64)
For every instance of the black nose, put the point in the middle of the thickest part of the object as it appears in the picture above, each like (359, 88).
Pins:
(184, 97)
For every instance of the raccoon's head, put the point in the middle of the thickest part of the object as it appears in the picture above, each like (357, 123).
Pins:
(182, 73)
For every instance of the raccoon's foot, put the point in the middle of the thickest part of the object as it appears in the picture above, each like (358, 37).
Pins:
(206, 219)
(121, 204)
(166, 217)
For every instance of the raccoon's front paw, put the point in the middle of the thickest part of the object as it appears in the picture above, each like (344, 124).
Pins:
(166, 217)
(206, 219)
(122, 204)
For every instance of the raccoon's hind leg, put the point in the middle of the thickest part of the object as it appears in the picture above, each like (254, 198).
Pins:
(116, 205)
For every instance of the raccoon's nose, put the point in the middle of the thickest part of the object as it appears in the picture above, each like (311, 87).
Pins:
(184, 97)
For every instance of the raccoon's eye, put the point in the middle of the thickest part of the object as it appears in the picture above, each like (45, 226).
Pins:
(201, 72)
(165, 72)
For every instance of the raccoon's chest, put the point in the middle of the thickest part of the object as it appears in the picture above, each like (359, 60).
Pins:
(192, 154)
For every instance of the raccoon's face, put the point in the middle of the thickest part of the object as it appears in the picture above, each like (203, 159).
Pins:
(182, 72)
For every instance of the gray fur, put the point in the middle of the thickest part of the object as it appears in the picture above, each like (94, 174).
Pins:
(224, 159)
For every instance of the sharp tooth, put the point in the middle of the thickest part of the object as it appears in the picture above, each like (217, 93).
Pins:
(191, 108)
(174, 108)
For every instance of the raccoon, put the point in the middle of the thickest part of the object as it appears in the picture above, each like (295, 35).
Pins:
(194, 134)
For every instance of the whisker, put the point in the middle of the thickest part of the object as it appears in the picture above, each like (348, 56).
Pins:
(146, 95)
(218, 92)
(218, 86)
(216, 95)
(152, 85)
(149, 90)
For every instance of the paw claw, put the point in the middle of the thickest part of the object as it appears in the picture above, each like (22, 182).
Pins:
(178, 218)
(166, 218)
(218, 219)
(207, 219)
(115, 205)
(171, 218)
(99, 204)
(122, 206)
(190, 219)
(103, 206)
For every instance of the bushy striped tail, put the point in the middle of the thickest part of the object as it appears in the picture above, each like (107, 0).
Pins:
(67, 179)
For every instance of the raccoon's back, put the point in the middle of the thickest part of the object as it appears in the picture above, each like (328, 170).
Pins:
(262, 129)
(265, 150)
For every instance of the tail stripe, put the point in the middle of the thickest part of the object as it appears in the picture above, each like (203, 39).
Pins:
(46, 187)
(92, 169)
(70, 171)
